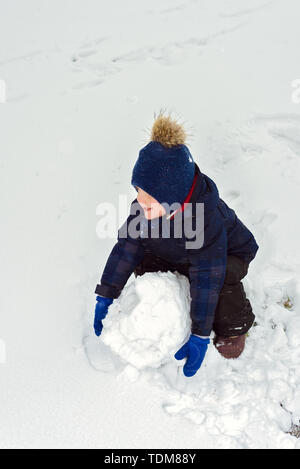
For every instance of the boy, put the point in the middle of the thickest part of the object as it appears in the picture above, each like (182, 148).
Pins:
(165, 174)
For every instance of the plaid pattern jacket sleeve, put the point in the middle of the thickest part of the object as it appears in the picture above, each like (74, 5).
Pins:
(127, 253)
(207, 274)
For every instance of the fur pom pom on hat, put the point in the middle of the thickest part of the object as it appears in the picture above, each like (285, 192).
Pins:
(165, 168)
(168, 132)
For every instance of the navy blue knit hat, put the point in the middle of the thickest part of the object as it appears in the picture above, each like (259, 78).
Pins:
(165, 168)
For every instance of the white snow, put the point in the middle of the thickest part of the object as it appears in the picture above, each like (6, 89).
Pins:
(234, 401)
(82, 82)
(150, 320)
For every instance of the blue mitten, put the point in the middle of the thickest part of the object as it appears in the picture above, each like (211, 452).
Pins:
(101, 310)
(194, 350)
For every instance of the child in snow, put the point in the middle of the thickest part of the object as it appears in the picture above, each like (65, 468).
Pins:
(165, 173)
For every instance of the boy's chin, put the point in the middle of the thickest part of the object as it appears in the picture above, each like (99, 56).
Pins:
(152, 216)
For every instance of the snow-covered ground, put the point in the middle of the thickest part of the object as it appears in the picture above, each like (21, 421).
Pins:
(83, 80)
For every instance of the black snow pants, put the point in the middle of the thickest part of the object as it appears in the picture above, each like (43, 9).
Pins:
(233, 315)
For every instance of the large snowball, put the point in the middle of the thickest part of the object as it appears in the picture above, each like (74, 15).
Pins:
(150, 320)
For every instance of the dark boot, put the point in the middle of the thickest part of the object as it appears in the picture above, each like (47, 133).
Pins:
(230, 347)
(233, 315)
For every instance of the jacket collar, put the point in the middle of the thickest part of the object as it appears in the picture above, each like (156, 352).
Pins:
(188, 198)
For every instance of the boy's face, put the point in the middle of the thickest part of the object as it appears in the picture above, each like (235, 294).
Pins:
(151, 207)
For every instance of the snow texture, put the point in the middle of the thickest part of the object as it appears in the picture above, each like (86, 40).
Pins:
(150, 320)
(82, 81)
(234, 401)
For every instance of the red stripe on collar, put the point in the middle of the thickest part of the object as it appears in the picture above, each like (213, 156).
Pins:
(188, 198)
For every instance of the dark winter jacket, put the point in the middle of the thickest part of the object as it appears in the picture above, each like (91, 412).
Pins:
(224, 234)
